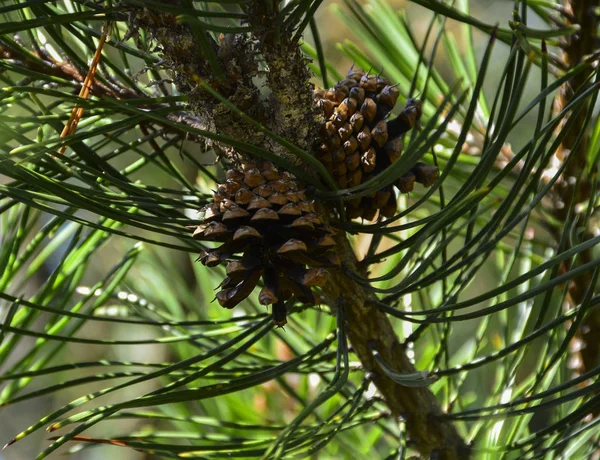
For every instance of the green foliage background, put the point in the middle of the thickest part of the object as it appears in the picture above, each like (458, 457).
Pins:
(108, 328)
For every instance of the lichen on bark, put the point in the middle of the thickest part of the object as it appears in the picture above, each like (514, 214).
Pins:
(265, 76)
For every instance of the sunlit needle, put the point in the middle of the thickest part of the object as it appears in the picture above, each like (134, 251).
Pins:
(77, 112)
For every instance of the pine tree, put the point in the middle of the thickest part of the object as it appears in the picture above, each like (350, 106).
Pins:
(199, 180)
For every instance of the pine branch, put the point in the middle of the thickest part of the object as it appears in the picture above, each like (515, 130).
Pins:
(246, 92)
(370, 330)
(40, 62)
(288, 77)
(289, 112)
(575, 187)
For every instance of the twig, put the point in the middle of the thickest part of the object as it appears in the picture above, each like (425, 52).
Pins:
(568, 191)
(86, 88)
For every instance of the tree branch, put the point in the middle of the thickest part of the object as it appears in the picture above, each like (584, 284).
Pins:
(575, 186)
(293, 113)
(284, 104)
(370, 328)
(44, 64)
(290, 112)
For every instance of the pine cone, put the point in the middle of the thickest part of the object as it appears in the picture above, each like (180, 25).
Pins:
(262, 214)
(357, 142)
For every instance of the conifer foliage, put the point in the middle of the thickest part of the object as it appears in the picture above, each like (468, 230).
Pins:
(217, 241)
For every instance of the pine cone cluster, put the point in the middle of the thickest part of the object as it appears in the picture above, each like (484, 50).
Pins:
(269, 229)
(357, 141)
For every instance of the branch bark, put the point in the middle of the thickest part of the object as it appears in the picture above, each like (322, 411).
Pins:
(568, 191)
(369, 328)
(279, 97)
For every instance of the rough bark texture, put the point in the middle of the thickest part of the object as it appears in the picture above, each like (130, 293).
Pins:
(369, 329)
(285, 105)
(292, 111)
(279, 97)
(567, 191)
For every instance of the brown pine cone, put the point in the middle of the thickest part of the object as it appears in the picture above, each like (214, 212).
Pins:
(357, 142)
(269, 229)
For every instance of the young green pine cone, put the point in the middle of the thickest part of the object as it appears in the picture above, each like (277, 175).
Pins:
(357, 141)
(269, 229)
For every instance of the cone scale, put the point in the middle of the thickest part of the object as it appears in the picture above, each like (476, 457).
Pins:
(357, 141)
(270, 234)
